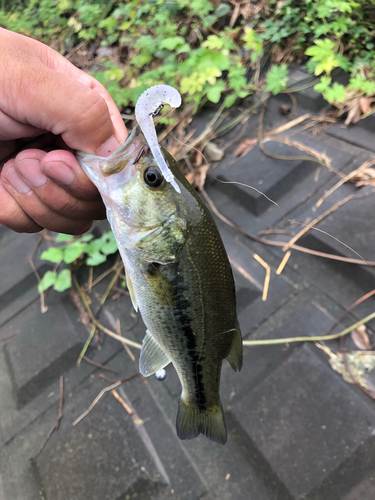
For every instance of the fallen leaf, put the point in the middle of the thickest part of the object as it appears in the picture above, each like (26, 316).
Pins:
(365, 104)
(213, 152)
(245, 146)
(285, 109)
(279, 5)
(354, 113)
(197, 178)
(361, 338)
(359, 362)
(370, 182)
(365, 178)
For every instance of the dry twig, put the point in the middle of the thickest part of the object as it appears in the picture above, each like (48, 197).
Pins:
(7, 337)
(122, 402)
(100, 395)
(123, 340)
(267, 278)
(312, 338)
(316, 221)
(347, 178)
(102, 367)
(283, 263)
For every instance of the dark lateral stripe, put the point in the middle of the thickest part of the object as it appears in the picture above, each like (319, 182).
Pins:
(185, 320)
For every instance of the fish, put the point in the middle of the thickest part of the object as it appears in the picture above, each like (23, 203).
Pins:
(178, 276)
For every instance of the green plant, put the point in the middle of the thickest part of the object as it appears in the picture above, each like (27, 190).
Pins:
(85, 249)
(189, 44)
(333, 34)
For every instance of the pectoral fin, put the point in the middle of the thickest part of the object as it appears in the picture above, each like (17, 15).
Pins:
(159, 284)
(130, 286)
(153, 358)
(234, 357)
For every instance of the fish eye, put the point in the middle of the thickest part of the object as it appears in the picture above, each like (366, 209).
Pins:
(152, 177)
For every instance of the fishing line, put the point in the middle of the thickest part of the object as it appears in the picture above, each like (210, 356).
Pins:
(278, 206)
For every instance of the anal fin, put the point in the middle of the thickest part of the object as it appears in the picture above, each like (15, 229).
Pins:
(153, 358)
(234, 357)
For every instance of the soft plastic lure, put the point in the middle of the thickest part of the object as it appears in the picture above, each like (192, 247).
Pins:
(148, 105)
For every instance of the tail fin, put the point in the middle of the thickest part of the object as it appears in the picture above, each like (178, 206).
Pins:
(192, 421)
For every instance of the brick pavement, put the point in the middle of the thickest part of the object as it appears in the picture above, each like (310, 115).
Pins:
(296, 430)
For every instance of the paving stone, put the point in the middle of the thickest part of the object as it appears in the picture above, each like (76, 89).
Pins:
(109, 454)
(93, 460)
(360, 134)
(286, 186)
(184, 477)
(18, 284)
(302, 316)
(104, 457)
(250, 275)
(352, 224)
(213, 462)
(273, 177)
(354, 479)
(258, 170)
(15, 265)
(35, 388)
(39, 353)
(304, 442)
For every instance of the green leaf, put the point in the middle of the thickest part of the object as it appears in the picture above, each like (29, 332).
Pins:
(86, 237)
(222, 10)
(108, 243)
(53, 254)
(171, 43)
(362, 84)
(63, 281)
(214, 93)
(211, 59)
(344, 63)
(321, 50)
(64, 237)
(324, 54)
(48, 280)
(209, 20)
(95, 259)
(326, 65)
(323, 85)
(213, 42)
(72, 252)
(184, 48)
(335, 93)
(230, 100)
(277, 79)
(92, 247)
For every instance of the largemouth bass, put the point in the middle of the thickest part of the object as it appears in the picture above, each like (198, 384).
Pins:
(178, 276)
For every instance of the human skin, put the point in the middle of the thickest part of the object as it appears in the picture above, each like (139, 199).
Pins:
(48, 109)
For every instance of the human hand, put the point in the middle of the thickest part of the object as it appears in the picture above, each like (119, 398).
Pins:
(48, 108)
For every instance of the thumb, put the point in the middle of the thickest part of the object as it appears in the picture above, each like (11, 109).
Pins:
(44, 90)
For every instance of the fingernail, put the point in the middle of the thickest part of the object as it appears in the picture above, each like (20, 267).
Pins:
(30, 172)
(108, 147)
(59, 172)
(15, 180)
